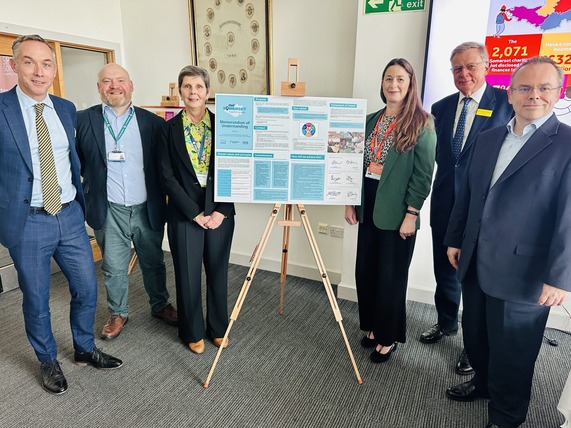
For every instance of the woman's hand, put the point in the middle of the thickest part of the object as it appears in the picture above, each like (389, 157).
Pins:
(350, 214)
(201, 220)
(214, 220)
(408, 226)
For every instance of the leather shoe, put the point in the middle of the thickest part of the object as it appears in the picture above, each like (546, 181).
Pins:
(466, 391)
(218, 342)
(53, 379)
(168, 314)
(435, 333)
(463, 366)
(97, 359)
(367, 342)
(377, 357)
(113, 327)
(491, 425)
(197, 347)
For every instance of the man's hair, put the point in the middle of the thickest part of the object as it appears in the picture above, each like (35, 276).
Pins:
(28, 38)
(470, 45)
(193, 70)
(539, 60)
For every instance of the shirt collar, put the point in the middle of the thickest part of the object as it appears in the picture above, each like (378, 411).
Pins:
(28, 102)
(476, 96)
(108, 109)
(204, 122)
(530, 127)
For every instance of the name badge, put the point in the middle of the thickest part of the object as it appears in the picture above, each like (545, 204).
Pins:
(202, 177)
(483, 112)
(116, 156)
(374, 171)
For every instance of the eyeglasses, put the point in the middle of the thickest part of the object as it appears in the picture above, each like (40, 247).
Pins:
(544, 89)
(470, 67)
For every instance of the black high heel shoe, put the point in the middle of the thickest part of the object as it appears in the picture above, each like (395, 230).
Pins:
(377, 357)
(367, 342)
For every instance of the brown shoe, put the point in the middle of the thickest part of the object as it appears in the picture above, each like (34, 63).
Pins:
(167, 314)
(197, 347)
(218, 341)
(113, 327)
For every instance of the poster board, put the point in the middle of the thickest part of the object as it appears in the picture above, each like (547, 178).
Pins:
(291, 150)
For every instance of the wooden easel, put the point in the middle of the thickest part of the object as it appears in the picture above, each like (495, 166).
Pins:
(290, 88)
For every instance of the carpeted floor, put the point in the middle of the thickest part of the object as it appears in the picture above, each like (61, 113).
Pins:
(279, 371)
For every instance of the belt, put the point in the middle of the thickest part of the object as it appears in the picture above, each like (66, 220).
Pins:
(41, 210)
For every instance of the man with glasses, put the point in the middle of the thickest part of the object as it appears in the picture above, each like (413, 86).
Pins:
(509, 236)
(458, 122)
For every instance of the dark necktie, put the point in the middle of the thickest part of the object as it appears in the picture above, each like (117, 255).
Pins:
(50, 186)
(459, 134)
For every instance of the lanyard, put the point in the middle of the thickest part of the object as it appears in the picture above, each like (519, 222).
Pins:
(194, 143)
(118, 137)
(375, 145)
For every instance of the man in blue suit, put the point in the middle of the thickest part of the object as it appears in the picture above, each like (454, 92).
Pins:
(510, 239)
(118, 145)
(487, 107)
(34, 233)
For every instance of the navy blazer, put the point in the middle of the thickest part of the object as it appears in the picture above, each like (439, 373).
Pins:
(93, 155)
(450, 171)
(186, 197)
(17, 176)
(521, 227)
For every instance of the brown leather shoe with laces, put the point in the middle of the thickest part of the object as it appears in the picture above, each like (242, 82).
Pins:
(167, 314)
(113, 327)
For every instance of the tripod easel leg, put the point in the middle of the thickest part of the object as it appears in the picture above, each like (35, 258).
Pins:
(246, 286)
(288, 217)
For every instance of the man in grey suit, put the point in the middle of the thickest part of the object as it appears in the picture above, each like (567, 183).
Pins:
(487, 107)
(41, 209)
(509, 236)
(118, 145)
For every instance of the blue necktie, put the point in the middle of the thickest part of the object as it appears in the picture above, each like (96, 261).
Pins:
(459, 134)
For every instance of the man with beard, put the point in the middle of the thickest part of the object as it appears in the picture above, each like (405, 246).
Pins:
(118, 147)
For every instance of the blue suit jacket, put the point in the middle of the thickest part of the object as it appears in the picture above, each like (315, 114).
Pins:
(93, 155)
(450, 171)
(17, 175)
(521, 227)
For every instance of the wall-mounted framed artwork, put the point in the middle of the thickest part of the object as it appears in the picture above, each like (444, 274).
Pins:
(232, 40)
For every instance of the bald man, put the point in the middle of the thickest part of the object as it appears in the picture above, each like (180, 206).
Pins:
(117, 144)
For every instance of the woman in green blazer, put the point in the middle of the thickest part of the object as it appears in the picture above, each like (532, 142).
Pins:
(398, 163)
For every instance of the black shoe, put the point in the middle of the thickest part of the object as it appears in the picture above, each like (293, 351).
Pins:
(435, 333)
(491, 425)
(463, 366)
(53, 379)
(367, 342)
(97, 359)
(377, 357)
(466, 391)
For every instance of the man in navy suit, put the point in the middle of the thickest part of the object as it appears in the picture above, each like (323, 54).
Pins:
(118, 145)
(31, 233)
(488, 107)
(510, 239)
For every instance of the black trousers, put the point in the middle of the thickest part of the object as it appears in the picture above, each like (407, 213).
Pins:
(191, 246)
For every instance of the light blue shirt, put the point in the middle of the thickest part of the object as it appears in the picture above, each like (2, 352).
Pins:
(513, 144)
(60, 147)
(125, 180)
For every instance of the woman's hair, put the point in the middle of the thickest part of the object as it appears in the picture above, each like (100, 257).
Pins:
(412, 118)
(194, 71)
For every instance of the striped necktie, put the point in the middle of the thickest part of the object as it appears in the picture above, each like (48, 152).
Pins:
(50, 186)
(459, 134)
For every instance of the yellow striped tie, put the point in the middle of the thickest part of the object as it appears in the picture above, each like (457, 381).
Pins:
(50, 186)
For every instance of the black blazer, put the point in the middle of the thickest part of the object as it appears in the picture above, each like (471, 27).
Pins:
(90, 141)
(450, 171)
(186, 197)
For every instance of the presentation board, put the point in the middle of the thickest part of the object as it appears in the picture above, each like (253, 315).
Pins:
(512, 31)
(291, 150)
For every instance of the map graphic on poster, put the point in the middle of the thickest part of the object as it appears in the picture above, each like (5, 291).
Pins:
(272, 149)
(524, 29)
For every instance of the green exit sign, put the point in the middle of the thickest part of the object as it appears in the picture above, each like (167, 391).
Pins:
(382, 6)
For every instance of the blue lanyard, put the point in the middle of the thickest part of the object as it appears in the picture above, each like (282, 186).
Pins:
(194, 144)
(122, 131)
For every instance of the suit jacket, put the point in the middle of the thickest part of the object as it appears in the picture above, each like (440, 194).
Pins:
(93, 155)
(405, 180)
(521, 227)
(186, 197)
(450, 171)
(16, 174)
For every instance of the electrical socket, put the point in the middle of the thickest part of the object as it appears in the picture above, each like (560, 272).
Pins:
(323, 228)
(336, 231)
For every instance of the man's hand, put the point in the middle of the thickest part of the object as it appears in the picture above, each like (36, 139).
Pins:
(350, 214)
(453, 256)
(552, 296)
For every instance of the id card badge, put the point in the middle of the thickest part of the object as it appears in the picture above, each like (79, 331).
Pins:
(374, 171)
(202, 176)
(116, 156)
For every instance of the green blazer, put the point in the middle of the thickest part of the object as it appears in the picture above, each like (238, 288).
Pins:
(405, 181)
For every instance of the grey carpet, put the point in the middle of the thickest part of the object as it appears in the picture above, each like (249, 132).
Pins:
(279, 371)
